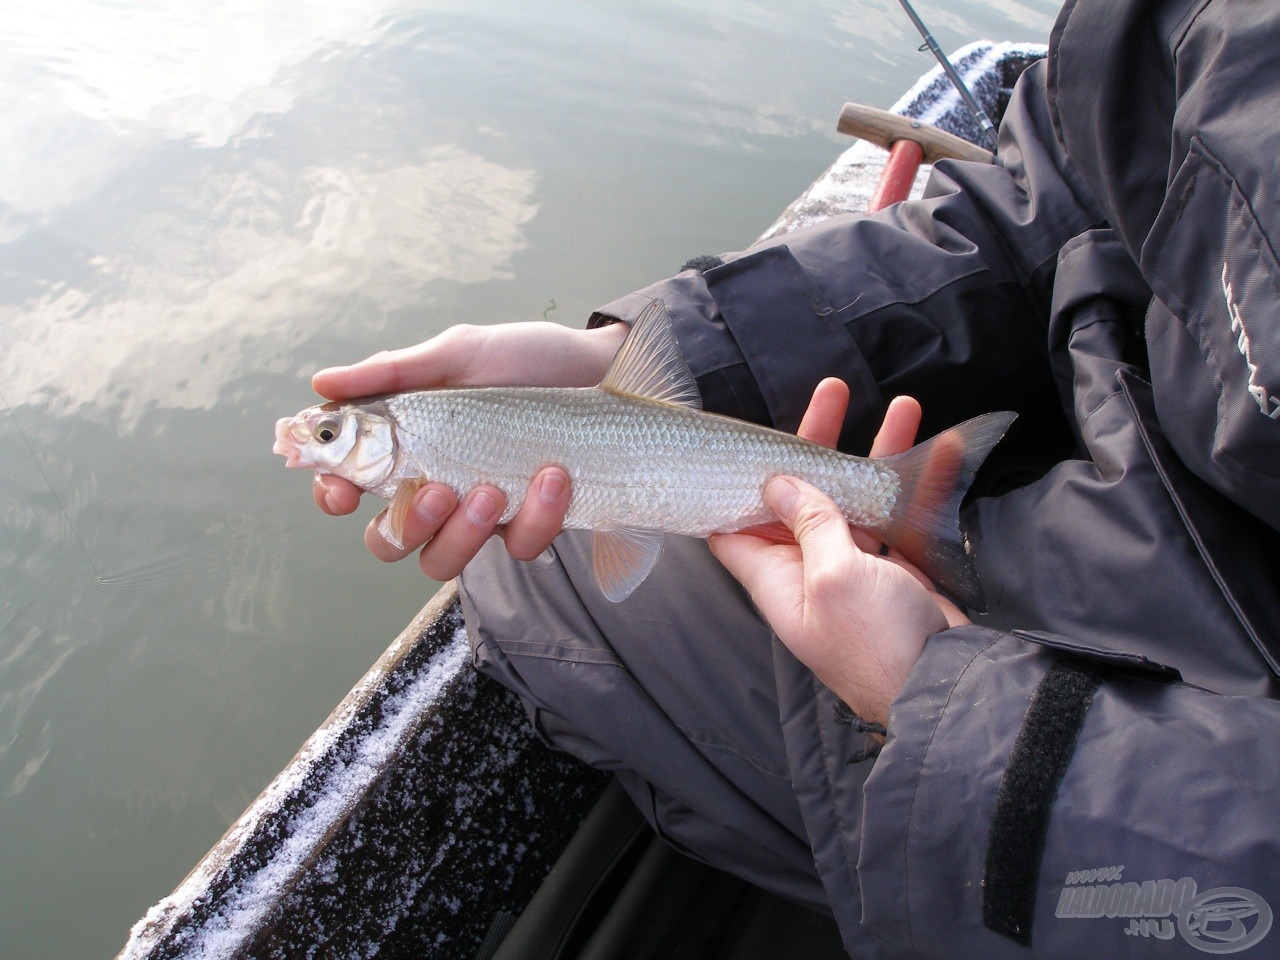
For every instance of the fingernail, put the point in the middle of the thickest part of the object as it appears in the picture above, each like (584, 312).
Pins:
(433, 507)
(481, 508)
(782, 495)
(551, 488)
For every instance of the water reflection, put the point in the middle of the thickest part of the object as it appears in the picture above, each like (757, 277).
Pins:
(170, 236)
(26, 674)
(233, 268)
(201, 72)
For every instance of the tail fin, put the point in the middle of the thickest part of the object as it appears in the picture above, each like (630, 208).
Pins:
(925, 523)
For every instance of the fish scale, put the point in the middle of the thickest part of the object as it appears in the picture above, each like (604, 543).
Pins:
(633, 461)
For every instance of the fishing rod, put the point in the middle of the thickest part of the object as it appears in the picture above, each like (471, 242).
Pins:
(988, 128)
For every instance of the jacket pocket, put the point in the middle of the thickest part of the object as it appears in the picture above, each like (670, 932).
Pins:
(1213, 337)
(1237, 550)
(1130, 556)
(1117, 659)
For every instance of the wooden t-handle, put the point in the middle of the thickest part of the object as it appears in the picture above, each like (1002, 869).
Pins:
(884, 128)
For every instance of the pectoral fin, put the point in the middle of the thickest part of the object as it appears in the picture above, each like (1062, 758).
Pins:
(622, 557)
(392, 525)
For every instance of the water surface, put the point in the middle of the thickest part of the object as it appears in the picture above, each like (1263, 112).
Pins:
(203, 203)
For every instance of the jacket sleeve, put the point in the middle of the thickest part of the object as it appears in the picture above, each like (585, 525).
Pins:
(1169, 112)
(945, 298)
(1072, 802)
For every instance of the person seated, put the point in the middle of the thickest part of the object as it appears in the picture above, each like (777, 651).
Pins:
(1090, 763)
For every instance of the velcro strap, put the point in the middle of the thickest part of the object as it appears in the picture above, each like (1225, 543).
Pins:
(1020, 823)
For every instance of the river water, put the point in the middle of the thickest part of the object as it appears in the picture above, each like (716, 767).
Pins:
(203, 203)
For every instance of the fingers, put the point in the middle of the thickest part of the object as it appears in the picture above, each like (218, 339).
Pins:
(334, 495)
(463, 534)
(819, 526)
(826, 412)
(433, 505)
(440, 360)
(366, 378)
(541, 516)
(825, 415)
(450, 533)
(896, 435)
(528, 354)
(898, 430)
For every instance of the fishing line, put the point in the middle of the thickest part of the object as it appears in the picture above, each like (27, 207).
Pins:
(56, 499)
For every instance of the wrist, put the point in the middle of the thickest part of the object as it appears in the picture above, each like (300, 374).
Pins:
(601, 345)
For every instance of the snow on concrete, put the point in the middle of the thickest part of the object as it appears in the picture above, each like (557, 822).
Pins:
(342, 786)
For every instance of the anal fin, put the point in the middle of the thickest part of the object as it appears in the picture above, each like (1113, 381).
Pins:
(622, 557)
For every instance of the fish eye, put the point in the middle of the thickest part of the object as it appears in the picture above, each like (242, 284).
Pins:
(327, 429)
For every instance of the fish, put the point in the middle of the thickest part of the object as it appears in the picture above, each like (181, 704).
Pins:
(645, 460)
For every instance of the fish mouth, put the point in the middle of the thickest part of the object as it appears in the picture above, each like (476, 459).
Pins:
(287, 442)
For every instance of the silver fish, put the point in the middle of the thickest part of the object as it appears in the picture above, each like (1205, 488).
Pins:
(644, 460)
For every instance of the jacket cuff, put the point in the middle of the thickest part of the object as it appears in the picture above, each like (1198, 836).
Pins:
(738, 325)
(931, 799)
(725, 382)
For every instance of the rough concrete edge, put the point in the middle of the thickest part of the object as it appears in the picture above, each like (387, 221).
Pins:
(156, 928)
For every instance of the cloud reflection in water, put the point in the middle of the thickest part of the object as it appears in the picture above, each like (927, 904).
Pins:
(247, 270)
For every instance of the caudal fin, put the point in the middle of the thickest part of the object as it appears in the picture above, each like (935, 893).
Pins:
(925, 523)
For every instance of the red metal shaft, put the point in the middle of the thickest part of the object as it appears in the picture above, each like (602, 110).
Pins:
(898, 175)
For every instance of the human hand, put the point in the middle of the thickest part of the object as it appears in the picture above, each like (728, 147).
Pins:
(515, 354)
(858, 620)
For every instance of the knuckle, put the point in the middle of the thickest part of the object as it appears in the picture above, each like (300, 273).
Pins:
(462, 344)
(828, 580)
(460, 331)
(523, 549)
(383, 550)
(461, 336)
(527, 537)
(811, 518)
(437, 568)
(394, 363)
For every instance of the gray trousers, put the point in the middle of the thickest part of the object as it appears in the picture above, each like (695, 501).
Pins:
(681, 690)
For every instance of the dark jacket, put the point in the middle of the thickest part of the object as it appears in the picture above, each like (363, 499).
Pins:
(1094, 765)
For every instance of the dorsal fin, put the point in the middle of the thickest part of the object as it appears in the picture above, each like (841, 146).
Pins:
(650, 363)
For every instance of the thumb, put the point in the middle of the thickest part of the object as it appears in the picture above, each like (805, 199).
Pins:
(808, 512)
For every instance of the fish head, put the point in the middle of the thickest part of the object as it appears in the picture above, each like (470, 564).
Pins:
(354, 441)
